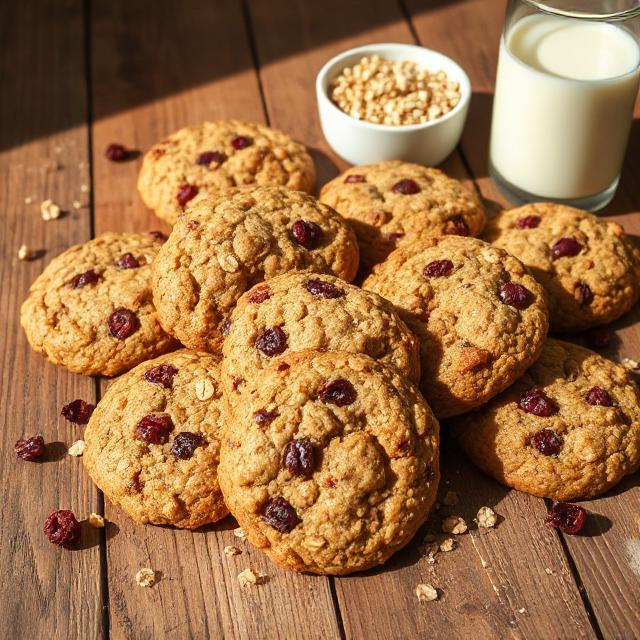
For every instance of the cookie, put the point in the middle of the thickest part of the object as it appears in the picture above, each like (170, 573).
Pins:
(569, 428)
(480, 317)
(331, 463)
(588, 266)
(393, 203)
(204, 160)
(298, 311)
(152, 444)
(226, 245)
(91, 309)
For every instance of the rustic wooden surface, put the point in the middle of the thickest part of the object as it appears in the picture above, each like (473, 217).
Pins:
(79, 74)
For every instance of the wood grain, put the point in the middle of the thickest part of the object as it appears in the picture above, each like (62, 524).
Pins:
(43, 587)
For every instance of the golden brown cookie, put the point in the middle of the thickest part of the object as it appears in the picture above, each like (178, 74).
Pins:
(331, 463)
(298, 311)
(588, 266)
(91, 309)
(569, 428)
(223, 246)
(480, 317)
(201, 161)
(153, 441)
(393, 203)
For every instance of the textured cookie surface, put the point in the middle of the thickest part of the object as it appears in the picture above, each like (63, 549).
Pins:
(392, 203)
(223, 246)
(298, 311)
(136, 448)
(575, 439)
(480, 317)
(217, 155)
(91, 309)
(588, 266)
(332, 463)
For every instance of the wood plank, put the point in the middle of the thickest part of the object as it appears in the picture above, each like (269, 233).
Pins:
(43, 154)
(151, 77)
(606, 557)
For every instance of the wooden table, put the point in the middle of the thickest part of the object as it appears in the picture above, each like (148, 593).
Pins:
(78, 75)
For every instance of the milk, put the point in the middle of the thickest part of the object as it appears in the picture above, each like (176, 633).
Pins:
(563, 106)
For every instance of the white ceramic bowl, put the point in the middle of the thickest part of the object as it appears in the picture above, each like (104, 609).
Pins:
(360, 142)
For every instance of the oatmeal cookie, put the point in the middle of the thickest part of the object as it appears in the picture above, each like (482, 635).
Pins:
(393, 203)
(480, 317)
(588, 266)
(204, 160)
(225, 245)
(153, 441)
(569, 428)
(91, 309)
(331, 463)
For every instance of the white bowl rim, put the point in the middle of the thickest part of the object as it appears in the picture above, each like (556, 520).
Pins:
(465, 87)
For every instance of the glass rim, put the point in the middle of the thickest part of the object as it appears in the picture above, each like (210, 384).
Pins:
(616, 16)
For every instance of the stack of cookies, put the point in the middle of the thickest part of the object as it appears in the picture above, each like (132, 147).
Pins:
(255, 379)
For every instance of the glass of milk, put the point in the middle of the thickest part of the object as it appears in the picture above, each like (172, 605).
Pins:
(565, 92)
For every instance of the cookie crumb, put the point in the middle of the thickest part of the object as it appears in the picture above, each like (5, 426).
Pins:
(448, 544)
(248, 578)
(84, 188)
(486, 518)
(548, 571)
(426, 593)
(450, 499)
(77, 448)
(522, 610)
(28, 200)
(230, 550)
(630, 363)
(146, 577)
(77, 204)
(484, 563)
(239, 533)
(96, 520)
(204, 389)
(24, 253)
(454, 524)
(49, 210)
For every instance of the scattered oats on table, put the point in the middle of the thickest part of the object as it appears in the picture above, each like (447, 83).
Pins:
(630, 363)
(239, 533)
(146, 577)
(454, 524)
(230, 550)
(49, 210)
(486, 517)
(77, 448)
(248, 578)
(96, 520)
(24, 253)
(426, 593)
(448, 544)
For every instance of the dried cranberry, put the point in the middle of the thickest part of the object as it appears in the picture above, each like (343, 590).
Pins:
(207, 157)
(241, 142)
(83, 279)
(30, 448)
(283, 366)
(339, 392)
(456, 226)
(225, 327)
(354, 177)
(437, 269)
(264, 417)
(323, 289)
(281, 515)
(62, 528)
(583, 294)
(528, 222)
(536, 401)
(567, 517)
(77, 411)
(598, 396)
(308, 234)
(154, 428)
(515, 295)
(566, 247)
(162, 374)
(127, 261)
(117, 152)
(272, 342)
(122, 323)
(406, 187)
(158, 235)
(185, 443)
(298, 457)
(547, 442)
(599, 339)
(259, 295)
(185, 193)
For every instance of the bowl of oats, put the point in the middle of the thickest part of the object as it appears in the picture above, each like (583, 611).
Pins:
(392, 101)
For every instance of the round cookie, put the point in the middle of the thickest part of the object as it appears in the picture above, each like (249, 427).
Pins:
(393, 203)
(588, 266)
(225, 245)
(91, 309)
(569, 428)
(298, 311)
(331, 463)
(480, 317)
(136, 450)
(204, 160)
